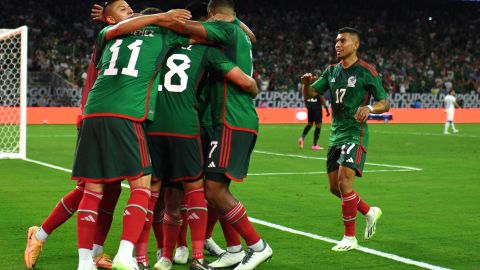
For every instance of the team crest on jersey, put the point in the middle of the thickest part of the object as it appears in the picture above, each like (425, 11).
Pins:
(351, 81)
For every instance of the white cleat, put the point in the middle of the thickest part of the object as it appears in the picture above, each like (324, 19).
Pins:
(254, 258)
(372, 218)
(87, 266)
(228, 259)
(163, 264)
(124, 264)
(455, 131)
(347, 243)
(446, 133)
(212, 247)
(181, 255)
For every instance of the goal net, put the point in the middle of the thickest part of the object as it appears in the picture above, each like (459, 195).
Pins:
(13, 92)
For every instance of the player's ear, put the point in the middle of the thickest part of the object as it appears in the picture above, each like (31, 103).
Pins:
(110, 20)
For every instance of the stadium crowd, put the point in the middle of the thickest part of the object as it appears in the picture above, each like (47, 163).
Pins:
(422, 49)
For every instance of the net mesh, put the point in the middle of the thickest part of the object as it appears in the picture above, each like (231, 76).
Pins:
(10, 76)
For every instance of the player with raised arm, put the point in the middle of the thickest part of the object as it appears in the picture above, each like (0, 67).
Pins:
(450, 104)
(315, 115)
(235, 131)
(112, 143)
(175, 145)
(351, 84)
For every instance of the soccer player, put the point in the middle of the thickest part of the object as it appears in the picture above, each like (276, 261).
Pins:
(450, 104)
(351, 83)
(175, 143)
(112, 143)
(235, 131)
(315, 114)
(37, 236)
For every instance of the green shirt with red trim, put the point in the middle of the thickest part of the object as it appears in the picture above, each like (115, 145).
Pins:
(176, 109)
(231, 105)
(127, 65)
(350, 89)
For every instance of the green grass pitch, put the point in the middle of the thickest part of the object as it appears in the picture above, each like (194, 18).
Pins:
(425, 182)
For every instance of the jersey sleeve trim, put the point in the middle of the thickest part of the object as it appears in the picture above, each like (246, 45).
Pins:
(368, 67)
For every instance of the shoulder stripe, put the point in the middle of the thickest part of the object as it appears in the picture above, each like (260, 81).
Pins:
(369, 67)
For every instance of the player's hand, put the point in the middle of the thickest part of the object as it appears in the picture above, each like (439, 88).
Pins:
(96, 13)
(362, 114)
(307, 78)
(328, 113)
(222, 17)
(177, 15)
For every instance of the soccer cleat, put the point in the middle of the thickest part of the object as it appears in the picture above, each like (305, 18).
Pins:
(300, 142)
(255, 258)
(371, 219)
(124, 264)
(347, 243)
(181, 255)
(199, 265)
(89, 266)
(446, 133)
(34, 247)
(212, 247)
(143, 266)
(456, 131)
(163, 264)
(228, 259)
(317, 147)
(103, 261)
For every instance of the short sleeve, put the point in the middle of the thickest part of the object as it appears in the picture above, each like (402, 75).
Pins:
(374, 84)
(221, 33)
(218, 61)
(321, 85)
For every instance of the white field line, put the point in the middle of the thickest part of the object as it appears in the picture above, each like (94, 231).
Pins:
(427, 134)
(297, 232)
(407, 168)
(324, 172)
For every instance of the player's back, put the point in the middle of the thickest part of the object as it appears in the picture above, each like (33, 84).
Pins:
(127, 65)
(230, 104)
(180, 76)
(449, 100)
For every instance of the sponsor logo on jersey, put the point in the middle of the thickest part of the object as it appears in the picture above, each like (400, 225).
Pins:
(212, 165)
(351, 81)
(350, 160)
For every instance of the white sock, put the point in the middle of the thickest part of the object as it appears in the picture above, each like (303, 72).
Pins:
(446, 127)
(234, 249)
(41, 235)
(453, 126)
(259, 246)
(351, 238)
(97, 250)
(84, 257)
(125, 250)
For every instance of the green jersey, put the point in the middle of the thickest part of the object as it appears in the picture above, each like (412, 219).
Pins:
(176, 112)
(350, 89)
(230, 105)
(126, 67)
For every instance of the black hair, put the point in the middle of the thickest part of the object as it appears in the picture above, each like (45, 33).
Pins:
(198, 9)
(221, 3)
(350, 30)
(150, 10)
(108, 3)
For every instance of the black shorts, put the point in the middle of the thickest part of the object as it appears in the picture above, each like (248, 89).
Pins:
(315, 115)
(176, 158)
(348, 155)
(111, 149)
(230, 152)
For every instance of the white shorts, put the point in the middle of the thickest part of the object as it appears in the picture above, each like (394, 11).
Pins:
(450, 114)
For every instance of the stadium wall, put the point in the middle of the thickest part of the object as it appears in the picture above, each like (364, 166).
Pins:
(68, 115)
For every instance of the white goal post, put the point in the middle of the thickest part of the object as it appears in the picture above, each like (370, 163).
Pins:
(13, 92)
